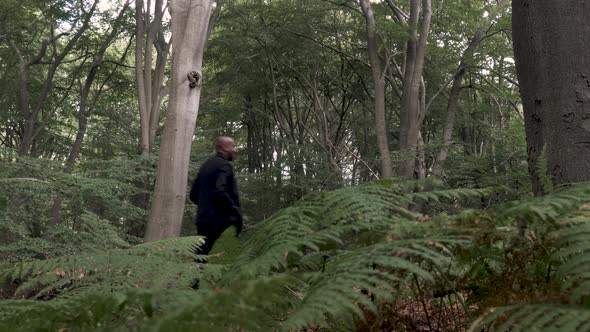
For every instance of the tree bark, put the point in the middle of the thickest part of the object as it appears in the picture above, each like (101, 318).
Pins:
(85, 105)
(84, 108)
(23, 100)
(552, 56)
(163, 49)
(31, 127)
(190, 20)
(150, 81)
(452, 103)
(410, 103)
(379, 83)
(140, 28)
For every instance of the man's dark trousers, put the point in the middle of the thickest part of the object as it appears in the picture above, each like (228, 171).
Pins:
(211, 232)
(216, 194)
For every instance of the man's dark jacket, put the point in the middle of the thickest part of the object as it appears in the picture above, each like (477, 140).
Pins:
(215, 191)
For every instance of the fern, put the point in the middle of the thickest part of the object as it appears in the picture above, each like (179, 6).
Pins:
(327, 261)
(570, 210)
(540, 317)
(377, 269)
(92, 234)
(454, 193)
(548, 208)
(29, 186)
(153, 265)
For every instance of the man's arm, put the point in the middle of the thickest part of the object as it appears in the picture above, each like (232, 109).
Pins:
(222, 197)
(195, 191)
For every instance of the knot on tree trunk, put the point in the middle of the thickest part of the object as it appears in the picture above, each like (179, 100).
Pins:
(194, 79)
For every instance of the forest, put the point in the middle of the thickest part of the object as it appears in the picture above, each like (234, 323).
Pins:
(402, 165)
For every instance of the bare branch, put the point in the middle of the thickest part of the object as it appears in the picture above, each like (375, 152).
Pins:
(43, 50)
(328, 47)
(399, 14)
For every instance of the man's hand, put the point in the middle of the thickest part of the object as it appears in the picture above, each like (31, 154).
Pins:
(239, 224)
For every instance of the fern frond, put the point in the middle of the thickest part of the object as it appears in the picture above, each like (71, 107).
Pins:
(541, 317)
(249, 305)
(332, 257)
(314, 223)
(574, 239)
(340, 292)
(152, 265)
(569, 210)
(549, 208)
(459, 193)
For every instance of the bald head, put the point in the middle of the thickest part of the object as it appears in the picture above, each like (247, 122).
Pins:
(226, 146)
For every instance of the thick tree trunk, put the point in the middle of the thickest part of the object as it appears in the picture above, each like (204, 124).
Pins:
(527, 60)
(190, 20)
(553, 65)
(410, 103)
(379, 83)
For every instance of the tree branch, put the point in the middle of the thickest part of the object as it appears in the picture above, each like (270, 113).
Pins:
(327, 46)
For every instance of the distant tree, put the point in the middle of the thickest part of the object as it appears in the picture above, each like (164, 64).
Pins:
(52, 52)
(379, 84)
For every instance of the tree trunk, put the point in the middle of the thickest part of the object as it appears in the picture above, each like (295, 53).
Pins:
(140, 27)
(31, 127)
(552, 56)
(163, 49)
(23, 101)
(149, 34)
(190, 20)
(442, 155)
(84, 108)
(410, 103)
(421, 161)
(379, 82)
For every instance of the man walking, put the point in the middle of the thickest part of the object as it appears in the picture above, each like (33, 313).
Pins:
(215, 192)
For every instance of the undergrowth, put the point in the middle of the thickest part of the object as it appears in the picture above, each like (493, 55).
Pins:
(351, 259)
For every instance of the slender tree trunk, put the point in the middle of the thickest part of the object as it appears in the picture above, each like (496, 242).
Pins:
(28, 135)
(23, 100)
(84, 107)
(140, 28)
(149, 34)
(31, 114)
(421, 160)
(190, 20)
(453, 101)
(379, 83)
(553, 65)
(32, 128)
(410, 103)
(148, 59)
(163, 49)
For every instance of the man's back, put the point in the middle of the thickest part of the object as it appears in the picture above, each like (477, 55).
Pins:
(215, 193)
